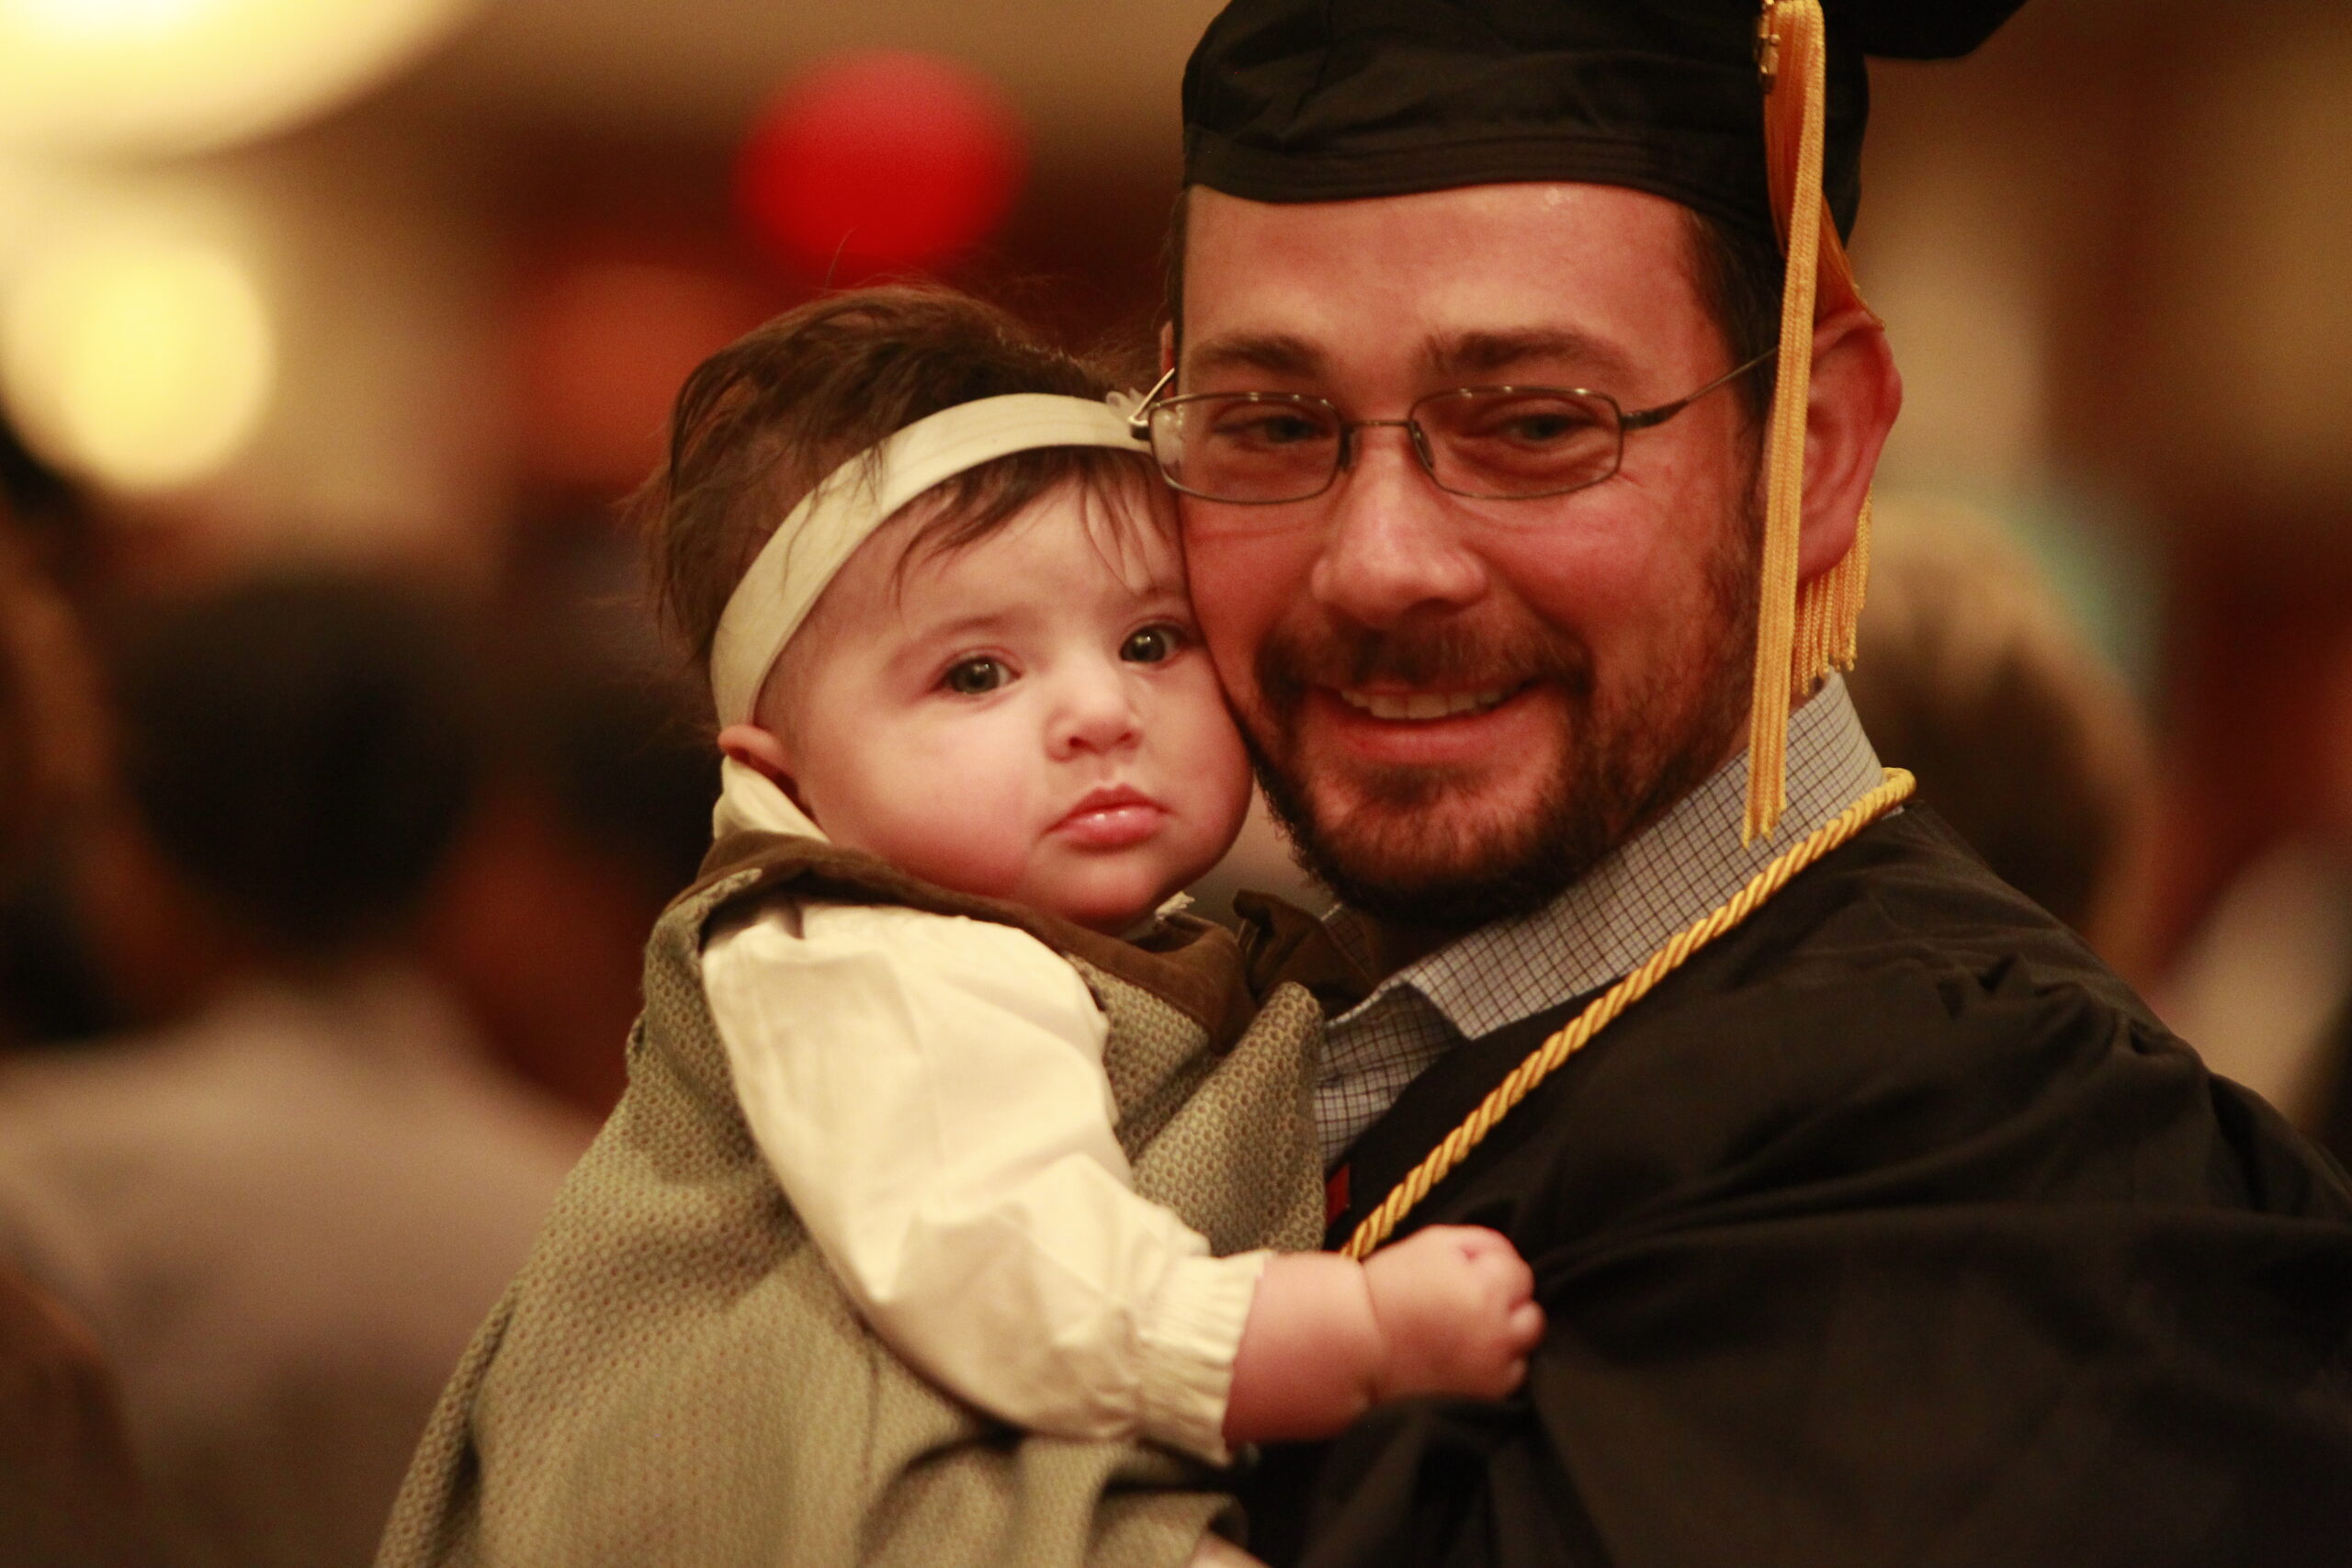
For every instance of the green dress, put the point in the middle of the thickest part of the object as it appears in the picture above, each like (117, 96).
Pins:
(674, 1377)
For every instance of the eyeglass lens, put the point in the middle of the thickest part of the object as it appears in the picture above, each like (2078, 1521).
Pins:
(1497, 442)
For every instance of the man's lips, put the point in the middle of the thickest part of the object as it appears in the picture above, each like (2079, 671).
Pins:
(1114, 817)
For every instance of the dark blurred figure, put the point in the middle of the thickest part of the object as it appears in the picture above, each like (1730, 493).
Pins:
(49, 520)
(67, 1496)
(50, 988)
(595, 812)
(2021, 737)
(2334, 1129)
(2331, 1118)
(285, 1215)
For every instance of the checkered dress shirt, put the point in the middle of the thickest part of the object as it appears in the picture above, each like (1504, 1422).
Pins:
(1676, 869)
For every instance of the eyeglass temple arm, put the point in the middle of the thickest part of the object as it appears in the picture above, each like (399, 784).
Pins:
(1645, 418)
(1139, 420)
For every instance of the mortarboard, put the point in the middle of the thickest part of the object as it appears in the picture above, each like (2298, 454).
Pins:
(1749, 113)
(1328, 100)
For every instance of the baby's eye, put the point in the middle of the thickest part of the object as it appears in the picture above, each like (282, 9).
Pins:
(1152, 645)
(971, 677)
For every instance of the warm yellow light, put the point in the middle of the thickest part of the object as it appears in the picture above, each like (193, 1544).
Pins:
(98, 20)
(167, 76)
(147, 364)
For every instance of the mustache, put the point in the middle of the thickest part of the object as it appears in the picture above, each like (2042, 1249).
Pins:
(1292, 660)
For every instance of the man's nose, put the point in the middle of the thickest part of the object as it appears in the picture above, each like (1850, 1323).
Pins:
(1094, 711)
(1393, 543)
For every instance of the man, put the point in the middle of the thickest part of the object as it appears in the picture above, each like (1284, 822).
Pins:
(1883, 1225)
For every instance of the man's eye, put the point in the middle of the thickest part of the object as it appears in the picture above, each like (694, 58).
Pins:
(1529, 422)
(1268, 428)
(1539, 428)
(972, 677)
(1152, 645)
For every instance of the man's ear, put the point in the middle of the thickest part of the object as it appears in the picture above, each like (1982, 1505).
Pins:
(762, 752)
(1857, 392)
(1167, 346)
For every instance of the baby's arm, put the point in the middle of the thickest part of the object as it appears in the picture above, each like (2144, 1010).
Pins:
(930, 1095)
(1449, 1310)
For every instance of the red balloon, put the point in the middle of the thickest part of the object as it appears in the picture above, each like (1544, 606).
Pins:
(879, 162)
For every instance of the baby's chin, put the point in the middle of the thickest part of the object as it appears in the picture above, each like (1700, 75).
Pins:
(1115, 919)
(1115, 911)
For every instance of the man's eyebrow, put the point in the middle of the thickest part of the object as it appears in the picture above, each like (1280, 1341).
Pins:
(1483, 356)
(1276, 354)
(1467, 356)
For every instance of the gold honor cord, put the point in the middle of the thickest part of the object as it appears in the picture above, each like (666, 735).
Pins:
(1547, 1058)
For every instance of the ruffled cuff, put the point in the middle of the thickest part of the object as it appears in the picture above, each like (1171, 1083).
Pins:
(1189, 1340)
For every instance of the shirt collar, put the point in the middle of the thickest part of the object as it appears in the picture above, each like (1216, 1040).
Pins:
(1673, 872)
(750, 802)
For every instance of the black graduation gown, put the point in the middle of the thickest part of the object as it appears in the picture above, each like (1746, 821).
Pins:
(1892, 1229)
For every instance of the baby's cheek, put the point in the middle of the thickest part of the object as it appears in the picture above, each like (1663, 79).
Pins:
(1216, 741)
(961, 837)
(1214, 767)
(934, 817)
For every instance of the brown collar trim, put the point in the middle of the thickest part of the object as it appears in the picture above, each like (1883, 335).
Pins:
(1281, 942)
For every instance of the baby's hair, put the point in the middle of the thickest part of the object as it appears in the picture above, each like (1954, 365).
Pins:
(759, 424)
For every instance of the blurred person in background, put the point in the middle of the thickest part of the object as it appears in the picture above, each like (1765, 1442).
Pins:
(51, 990)
(2331, 1117)
(2269, 977)
(593, 812)
(284, 1214)
(2020, 734)
(68, 1498)
(2265, 984)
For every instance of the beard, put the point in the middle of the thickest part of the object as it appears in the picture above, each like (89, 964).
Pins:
(1417, 847)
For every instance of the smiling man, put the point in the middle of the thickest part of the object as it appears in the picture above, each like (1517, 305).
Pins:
(1877, 1223)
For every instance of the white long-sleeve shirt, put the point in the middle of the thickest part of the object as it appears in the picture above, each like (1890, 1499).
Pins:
(930, 1093)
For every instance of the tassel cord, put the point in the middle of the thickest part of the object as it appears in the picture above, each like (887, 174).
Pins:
(1548, 1057)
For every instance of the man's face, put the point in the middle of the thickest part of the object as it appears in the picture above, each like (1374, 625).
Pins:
(1459, 705)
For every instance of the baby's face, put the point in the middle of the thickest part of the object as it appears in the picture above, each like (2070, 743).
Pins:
(1029, 718)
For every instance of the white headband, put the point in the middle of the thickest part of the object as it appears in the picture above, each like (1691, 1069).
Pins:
(812, 544)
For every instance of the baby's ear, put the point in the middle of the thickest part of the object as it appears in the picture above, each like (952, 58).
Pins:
(762, 752)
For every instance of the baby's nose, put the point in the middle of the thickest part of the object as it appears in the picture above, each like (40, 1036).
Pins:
(1097, 713)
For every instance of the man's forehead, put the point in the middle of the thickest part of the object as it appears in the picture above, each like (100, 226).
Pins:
(1597, 214)
(1476, 279)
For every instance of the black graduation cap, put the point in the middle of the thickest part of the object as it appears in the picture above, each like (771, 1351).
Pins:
(1328, 100)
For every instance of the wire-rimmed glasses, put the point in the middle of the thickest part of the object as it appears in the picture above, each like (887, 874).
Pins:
(1490, 443)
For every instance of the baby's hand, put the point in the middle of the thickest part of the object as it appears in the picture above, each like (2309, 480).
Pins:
(1457, 1313)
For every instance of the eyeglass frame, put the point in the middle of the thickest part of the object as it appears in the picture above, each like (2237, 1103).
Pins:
(1139, 425)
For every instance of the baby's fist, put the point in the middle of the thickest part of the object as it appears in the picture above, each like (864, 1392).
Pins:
(1457, 1313)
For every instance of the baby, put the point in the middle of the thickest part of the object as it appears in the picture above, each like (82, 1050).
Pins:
(962, 672)
(1004, 694)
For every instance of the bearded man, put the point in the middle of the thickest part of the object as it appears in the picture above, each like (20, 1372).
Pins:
(1877, 1223)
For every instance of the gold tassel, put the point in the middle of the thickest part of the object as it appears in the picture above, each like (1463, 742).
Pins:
(1796, 78)
(1800, 636)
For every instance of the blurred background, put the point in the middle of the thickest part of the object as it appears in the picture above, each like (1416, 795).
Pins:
(360, 314)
